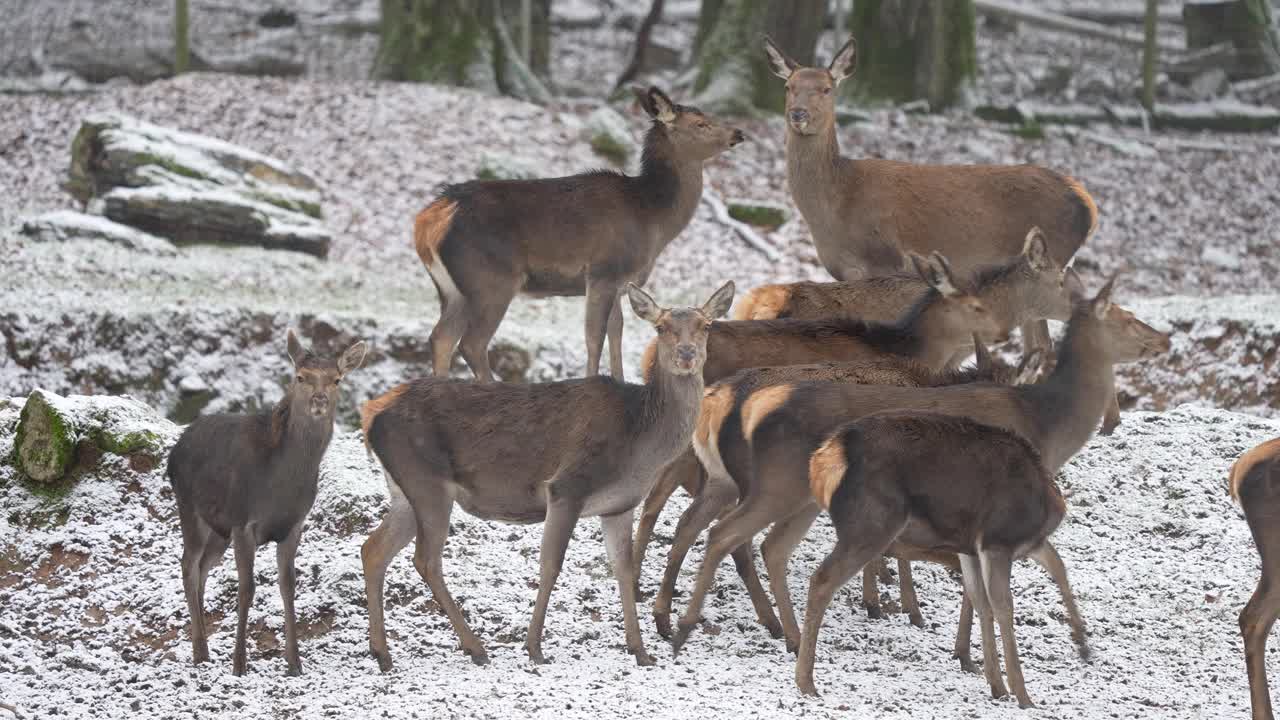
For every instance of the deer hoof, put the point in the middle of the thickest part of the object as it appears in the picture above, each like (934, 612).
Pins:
(295, 670)
(644, 659)
(793, 646)
(535, 656)
(774, 627)
(1025, 704)
(200, 654)
(663, 621)
(998, 691)
(238, 668)
(384, 660)
(807, 688)
(917, 619)
(1082, 646)
(681, 636)
(969, 666)
(873, 611)
(480, 657)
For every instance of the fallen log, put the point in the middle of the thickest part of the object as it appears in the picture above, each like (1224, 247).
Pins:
(1062, 23)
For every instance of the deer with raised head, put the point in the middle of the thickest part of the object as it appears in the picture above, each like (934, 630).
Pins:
(865, 214)
(1255, 484)
(249, 480)
(529, 453)
(942, 483)
(782, 426)
(485, 241)
(715, 491)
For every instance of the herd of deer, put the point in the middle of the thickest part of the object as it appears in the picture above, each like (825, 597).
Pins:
(844, 397)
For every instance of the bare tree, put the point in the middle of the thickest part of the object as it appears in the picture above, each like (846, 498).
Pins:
(912, 49)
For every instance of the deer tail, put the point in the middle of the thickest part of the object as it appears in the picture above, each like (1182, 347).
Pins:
(430, 227)
(1090, 207)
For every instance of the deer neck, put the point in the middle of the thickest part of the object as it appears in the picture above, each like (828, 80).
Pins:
(1069, 404)
(813, 163)
(672, 403)
(670, 186)
(299, 438)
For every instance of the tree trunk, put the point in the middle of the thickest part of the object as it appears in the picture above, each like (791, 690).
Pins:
(732, 73)
(465, 43)
(1246, 24)
(912, 49)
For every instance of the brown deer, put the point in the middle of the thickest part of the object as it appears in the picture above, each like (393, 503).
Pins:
(517, 453)
(866, 214)
(1255, 484)
(782, 426)
(485, 241)
(940, 482)
(1026, 287)
(251, 480)
(715, 491)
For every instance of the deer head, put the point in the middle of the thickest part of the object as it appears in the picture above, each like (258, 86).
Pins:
(693, 133)
(960, 313)
(682, 332)
(1125, 337)
(811, 92)
(314, 389)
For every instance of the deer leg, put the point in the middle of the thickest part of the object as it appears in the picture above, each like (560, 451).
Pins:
(245, 546)
(776, 549)
(617, 542)
(1047, 557)
(744, 562)
(871, 589)
(615, 340)
(482, 322)
(975, 589)
(194, 543)
(432, 532)
(447, 332)
(1111, 418)
(738, 527)
(654, 502)
(996, 568)
(562, 516)
(286, 552)
(907, 589)
(964, 635)
(1035, 334)
(601, 298)
(1256, 621)
(395, 531)
(716, 494)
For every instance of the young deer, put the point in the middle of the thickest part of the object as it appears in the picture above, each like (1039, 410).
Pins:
(942, 483)
(251, 480)
(551, 452)
(782, 426)
(483, 242)
(1255, 484)
(866, 214)
(715, 491)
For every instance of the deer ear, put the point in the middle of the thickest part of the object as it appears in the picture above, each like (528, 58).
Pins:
(719, 303)
(1029, 368)
(779, 63)
(659, 106)
(843, 64)
(643, 305)
(351, 358)
(1036, 250)
(296, 350)
(981, 355)
(1101, 302)
(937, 272)
(1072, 285)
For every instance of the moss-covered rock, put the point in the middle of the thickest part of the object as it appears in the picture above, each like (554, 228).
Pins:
(761, 213)
(496, 166)
(610, 137)
(55, 432)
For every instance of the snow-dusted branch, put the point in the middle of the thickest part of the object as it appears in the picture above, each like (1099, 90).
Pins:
(744, 230)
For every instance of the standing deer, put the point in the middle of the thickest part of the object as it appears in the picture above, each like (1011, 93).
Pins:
(866, 214)
(937, 482)
(552, 453)
(782, 426)
(1255, 484)
(715, 491)
(485, 241)
(1028, 287)
(251, 480)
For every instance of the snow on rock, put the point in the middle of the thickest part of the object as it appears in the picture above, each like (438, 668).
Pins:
(93, 620)
(610, 136)
(67, 225)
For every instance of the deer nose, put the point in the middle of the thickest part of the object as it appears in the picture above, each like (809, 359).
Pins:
(686, 354)
(799, 115)
(738, 137)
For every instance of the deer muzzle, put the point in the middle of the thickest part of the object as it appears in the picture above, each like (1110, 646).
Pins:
(799, 118)
(319, 405)
(686, 356)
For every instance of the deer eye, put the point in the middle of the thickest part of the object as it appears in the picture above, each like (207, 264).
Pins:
(298, 377)
(826, 91)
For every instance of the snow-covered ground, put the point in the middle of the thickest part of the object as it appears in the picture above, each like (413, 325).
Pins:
(1160, 559)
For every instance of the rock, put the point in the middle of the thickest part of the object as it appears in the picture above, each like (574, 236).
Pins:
(51, 428)
(576, 14)
(1210, 84)
(610, 137)
(192, 384)
(278, 53)
(194, 188)
(53, 82)
(760, 213)
(1124, 146)
(980, 151)
(66, 225)
(499, 166)
(846, 115)
(1221, 257)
